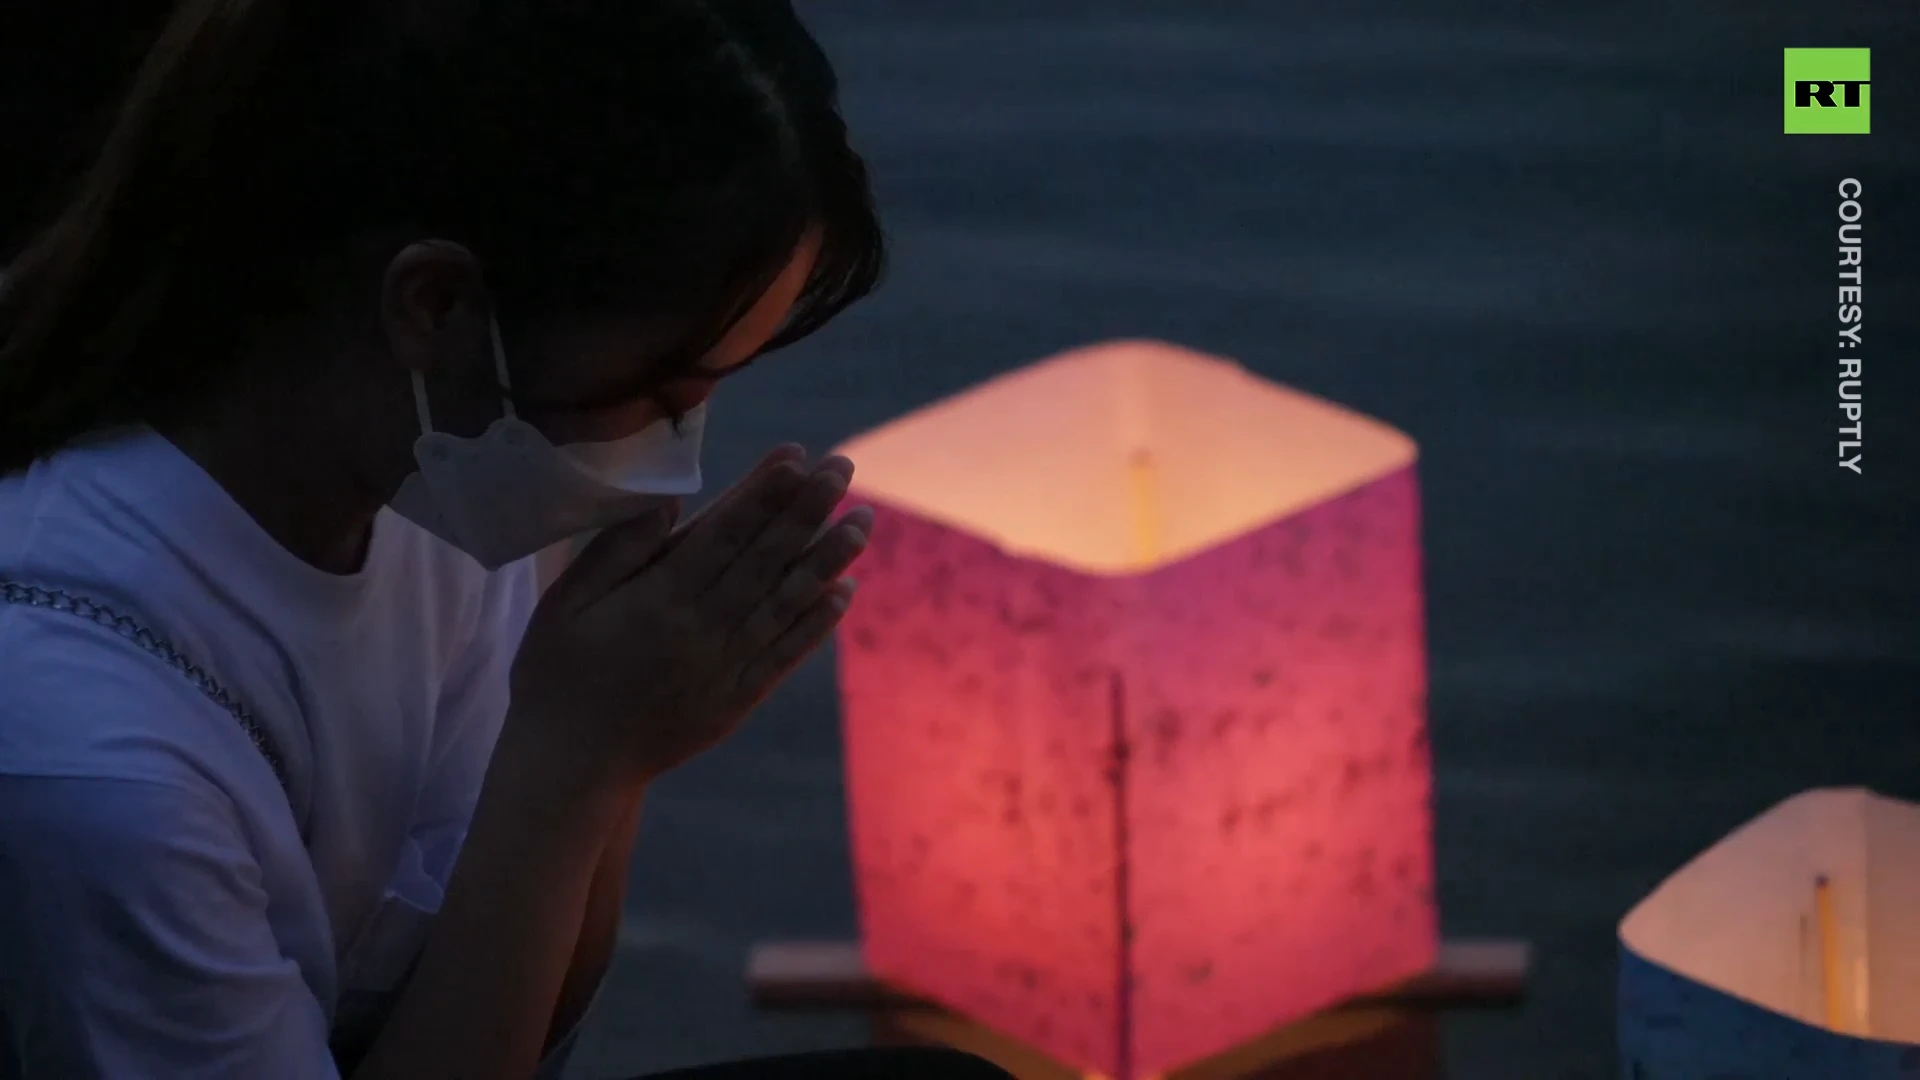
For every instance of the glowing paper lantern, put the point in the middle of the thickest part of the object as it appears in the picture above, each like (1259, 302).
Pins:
(1135, 707)
(1788, 951)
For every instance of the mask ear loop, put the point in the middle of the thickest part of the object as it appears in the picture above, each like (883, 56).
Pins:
(500, 366)
(420, 402)
(425, 413)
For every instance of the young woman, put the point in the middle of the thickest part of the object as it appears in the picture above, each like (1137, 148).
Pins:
(363, 303)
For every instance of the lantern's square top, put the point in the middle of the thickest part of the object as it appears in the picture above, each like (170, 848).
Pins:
(1120, 457)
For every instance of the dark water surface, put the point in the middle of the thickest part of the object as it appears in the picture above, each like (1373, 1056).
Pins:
(1563, 245)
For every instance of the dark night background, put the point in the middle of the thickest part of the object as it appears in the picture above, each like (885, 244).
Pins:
(1567, 248)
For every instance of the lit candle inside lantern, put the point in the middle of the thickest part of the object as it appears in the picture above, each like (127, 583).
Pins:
(1713, 980)
(1135, 707)
(1146, 523)
(1831, 996)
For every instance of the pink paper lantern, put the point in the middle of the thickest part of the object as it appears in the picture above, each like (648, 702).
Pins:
(1134, 704)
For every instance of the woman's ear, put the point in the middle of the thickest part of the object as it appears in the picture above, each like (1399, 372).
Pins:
(433, 305)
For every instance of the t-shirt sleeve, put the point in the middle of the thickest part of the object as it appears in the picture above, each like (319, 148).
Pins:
(134, 932)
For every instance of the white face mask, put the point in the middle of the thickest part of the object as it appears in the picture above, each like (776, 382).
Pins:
(510, 492)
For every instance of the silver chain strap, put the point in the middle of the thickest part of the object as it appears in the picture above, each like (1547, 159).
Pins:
(80, 607)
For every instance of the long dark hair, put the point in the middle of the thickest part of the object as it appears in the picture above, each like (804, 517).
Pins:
(661, 157)
(64, 69)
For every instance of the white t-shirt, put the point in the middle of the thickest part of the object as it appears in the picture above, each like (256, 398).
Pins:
(166, 907)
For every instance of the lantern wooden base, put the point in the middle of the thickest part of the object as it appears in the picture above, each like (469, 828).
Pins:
(816, 976)
(1390, 1035)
